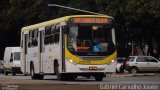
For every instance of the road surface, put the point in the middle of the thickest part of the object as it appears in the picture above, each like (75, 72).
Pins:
(21, 82)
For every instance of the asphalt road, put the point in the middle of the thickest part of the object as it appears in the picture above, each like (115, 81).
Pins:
(21, 82)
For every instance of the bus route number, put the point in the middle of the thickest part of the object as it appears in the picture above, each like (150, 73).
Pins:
(84, 62)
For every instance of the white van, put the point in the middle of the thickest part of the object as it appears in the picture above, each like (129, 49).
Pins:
(12, 60)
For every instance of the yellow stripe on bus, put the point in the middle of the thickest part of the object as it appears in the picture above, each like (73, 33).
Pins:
(93, 62)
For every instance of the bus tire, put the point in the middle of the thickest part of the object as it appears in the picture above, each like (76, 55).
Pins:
(88, 77)
(60, 77)
(33, 75)
(40, 77)
(13, 72)
(71, 78)
(99, 77)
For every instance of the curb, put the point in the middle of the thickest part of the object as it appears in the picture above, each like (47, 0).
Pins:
(129, 75)
(143, 74)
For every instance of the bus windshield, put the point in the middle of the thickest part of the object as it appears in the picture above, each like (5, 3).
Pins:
(90, 39)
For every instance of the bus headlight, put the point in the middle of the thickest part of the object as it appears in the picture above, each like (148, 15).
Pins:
(112, 61)
(71, 61)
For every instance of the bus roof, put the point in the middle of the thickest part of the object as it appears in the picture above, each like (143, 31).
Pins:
(54, 21)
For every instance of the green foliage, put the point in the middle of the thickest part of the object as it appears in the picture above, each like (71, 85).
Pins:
(139, 20)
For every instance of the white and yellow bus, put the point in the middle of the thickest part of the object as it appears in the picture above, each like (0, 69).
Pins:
(71, 46)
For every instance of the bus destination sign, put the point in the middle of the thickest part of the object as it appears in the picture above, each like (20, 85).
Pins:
(90, 20)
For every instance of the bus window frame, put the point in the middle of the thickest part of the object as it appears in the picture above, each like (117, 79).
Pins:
(110, 25)
(52, 34)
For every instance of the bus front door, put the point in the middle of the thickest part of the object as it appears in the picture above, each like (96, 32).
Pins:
(41, 33)
(25, 53)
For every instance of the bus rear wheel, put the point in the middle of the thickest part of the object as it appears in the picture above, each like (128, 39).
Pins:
(36, 76)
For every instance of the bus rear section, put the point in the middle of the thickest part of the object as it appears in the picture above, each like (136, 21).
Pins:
(82, 45)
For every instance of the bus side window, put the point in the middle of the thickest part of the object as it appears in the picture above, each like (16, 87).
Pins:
(57, 37)
(35, 37)
(30, 39)
(47, 35)
(54, 37)
(57, 34)
(53, 28)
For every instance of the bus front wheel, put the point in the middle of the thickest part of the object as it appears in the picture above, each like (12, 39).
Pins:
(99, 77)
(60, 77)
(40, 76)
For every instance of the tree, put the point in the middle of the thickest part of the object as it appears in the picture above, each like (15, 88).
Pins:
(138, 20)
(142, 19)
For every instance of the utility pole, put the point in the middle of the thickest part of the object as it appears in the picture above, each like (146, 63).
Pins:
(75, 9)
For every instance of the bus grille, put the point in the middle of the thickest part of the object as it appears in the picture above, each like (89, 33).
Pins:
(92, 57)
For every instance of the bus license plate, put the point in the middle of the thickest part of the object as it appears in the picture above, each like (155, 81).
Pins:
(92, 68)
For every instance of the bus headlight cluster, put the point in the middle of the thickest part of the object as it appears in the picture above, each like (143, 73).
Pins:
(71, 61)
(112, 61)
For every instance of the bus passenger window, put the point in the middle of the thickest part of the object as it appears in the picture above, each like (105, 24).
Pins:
(47, 40)
(33, 33)
(30, 39)
(52, 38)
(53, 29)
(48, 30)
(35, 37)
(47, 35)
(51, 35)
(57, 38)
